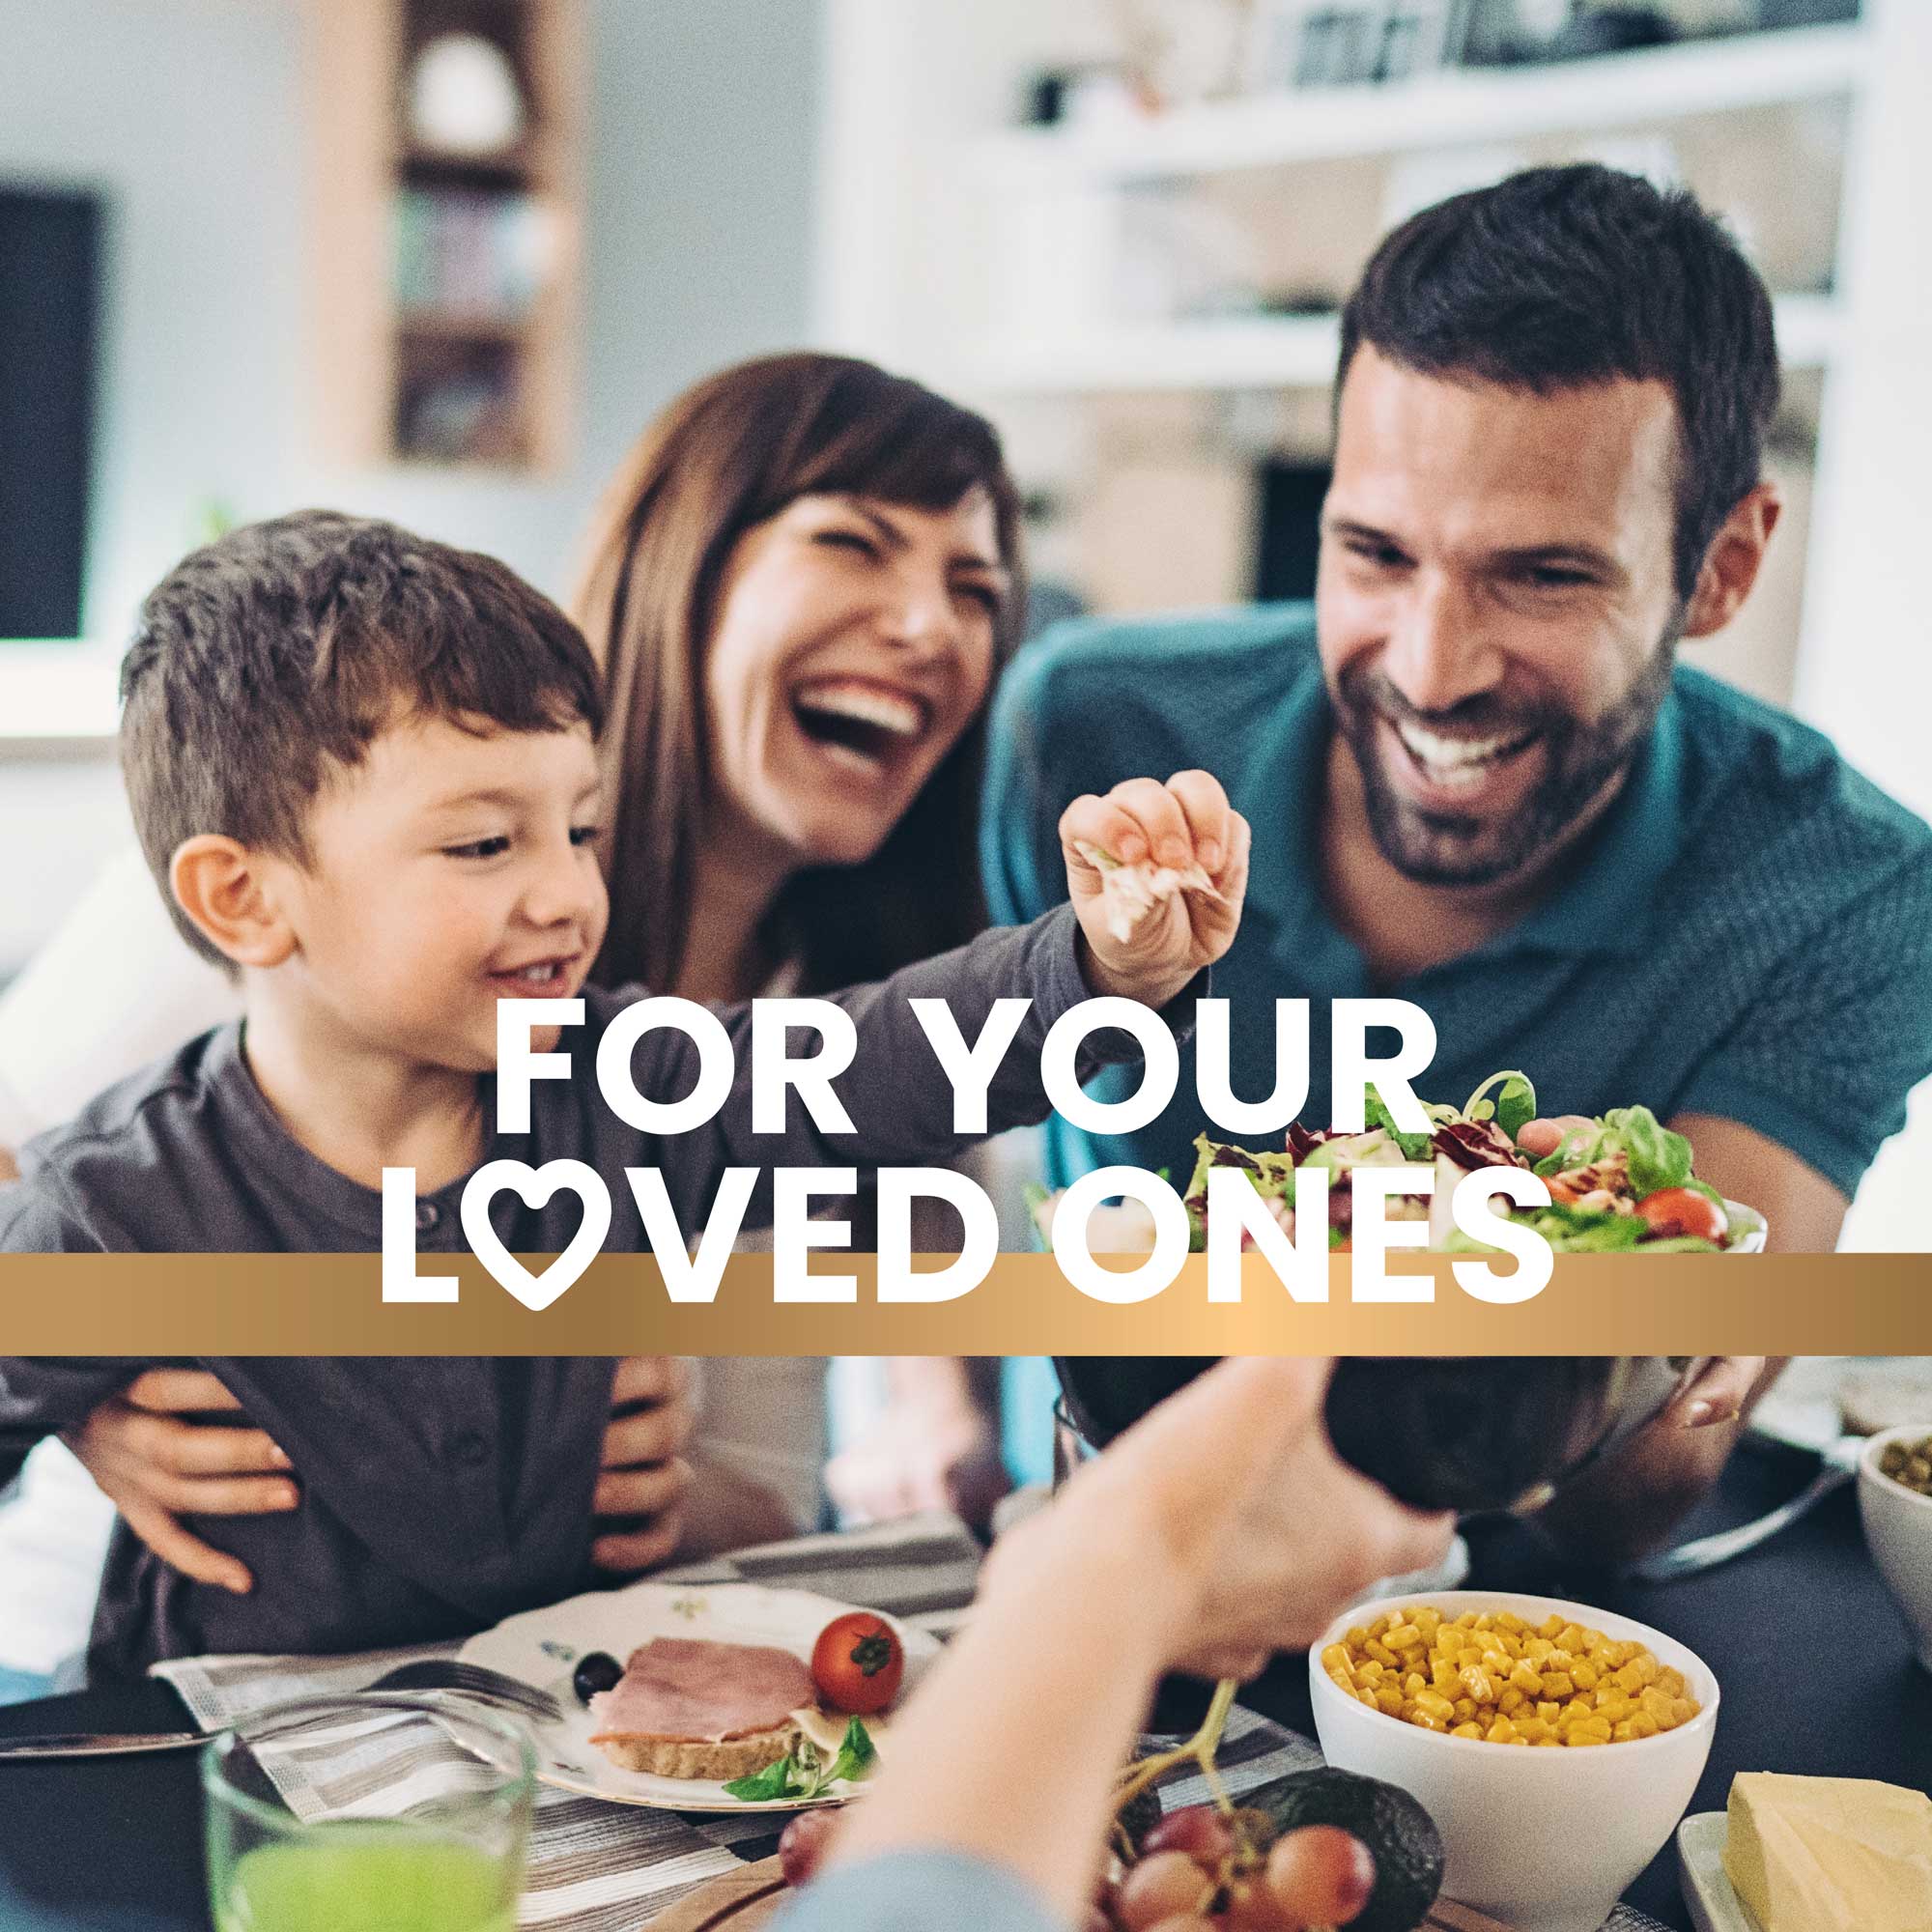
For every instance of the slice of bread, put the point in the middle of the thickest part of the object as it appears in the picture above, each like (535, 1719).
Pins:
(683, 1757)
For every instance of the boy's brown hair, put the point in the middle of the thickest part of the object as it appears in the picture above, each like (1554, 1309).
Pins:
(280, 651)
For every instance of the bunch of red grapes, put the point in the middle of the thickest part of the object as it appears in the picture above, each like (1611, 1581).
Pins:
(1198, 1870)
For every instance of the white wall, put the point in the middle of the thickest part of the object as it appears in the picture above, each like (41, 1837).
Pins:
(186, 113)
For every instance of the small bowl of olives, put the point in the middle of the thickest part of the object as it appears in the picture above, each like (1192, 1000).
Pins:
(1895, 1501)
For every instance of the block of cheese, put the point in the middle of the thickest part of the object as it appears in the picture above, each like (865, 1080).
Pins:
(1829, 1854)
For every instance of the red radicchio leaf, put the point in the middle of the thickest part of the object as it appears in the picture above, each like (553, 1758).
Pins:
(1476, 1144)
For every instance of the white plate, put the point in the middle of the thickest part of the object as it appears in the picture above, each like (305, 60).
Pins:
(1714, 1904)
(542, 1647)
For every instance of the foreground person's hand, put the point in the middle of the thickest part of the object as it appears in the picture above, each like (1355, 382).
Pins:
(155, 1467)
(1221, 1526)
(1242, 1512)
(643, 1478)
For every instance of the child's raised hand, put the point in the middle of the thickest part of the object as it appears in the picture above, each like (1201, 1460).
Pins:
(1156, 874)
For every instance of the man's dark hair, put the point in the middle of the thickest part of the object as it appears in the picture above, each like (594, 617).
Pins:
(275, 655)
(1559, 278)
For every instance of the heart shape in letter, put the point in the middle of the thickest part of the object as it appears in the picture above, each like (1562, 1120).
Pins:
(534, 1185)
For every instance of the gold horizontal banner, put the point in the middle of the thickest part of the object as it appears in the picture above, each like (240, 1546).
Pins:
(331, 1305)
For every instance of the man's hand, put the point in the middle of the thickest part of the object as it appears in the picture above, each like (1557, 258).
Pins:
(645, 1477)
(1628, 1504)
(155, 1468)
(1183, 823)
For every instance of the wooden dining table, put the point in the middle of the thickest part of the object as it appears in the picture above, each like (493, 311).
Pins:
(1816, 1673)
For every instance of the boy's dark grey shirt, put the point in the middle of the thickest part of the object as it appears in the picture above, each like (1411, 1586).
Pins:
(440, 1495)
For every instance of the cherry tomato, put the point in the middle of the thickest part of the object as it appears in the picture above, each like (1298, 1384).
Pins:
(856, 1663)
(1681, 1210)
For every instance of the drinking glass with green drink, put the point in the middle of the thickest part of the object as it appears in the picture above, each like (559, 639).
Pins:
(292, 1842)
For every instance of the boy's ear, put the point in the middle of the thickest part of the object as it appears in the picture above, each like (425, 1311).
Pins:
(1732, 560)
(222, 886)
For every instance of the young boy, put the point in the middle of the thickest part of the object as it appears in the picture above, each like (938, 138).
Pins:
(361, 767)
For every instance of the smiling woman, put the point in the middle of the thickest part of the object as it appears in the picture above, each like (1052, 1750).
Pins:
(800, 587)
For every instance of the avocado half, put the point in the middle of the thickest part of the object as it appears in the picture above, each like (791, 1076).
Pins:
(1401, 1837)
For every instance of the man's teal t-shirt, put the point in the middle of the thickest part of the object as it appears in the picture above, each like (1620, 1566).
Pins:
(1748, 932)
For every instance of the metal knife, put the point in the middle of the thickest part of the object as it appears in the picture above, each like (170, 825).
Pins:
(98, 1744)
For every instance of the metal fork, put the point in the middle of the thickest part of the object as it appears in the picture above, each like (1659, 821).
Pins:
(1838, 1464)
(470, 1679)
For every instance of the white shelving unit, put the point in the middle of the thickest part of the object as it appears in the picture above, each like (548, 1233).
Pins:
(1695, 79)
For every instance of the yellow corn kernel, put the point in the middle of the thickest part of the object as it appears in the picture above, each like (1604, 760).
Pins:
(1548, 1744)
(1586, 1674)
(1366, 1698)
(1578, 1739)
(1549, 1709)
(1379, 1625)
(1428, 1720)
(1467, 1621)
(1468, 1731)
(1502, 1732)
(1383, 1654)
(1616, 1710)
(1509, 1620)
(1557, 1684)
(1413, 1681)
(1357, 1638)
(1435, 1704)
(1478, 1683)
(1511, 1645)
(1335, 1658)
(1551, 1625)
(1531, 1728)
(1682, 1710)
(1526, 1678)
(1559, 1659)
(1672, 1683)
(1368, 1675)
(1537, 1648)
(1622, 1734)
(1642, 1725)
(1571, 1638)
(1340, 1680)
(1404, 1638)
(1510, 1701)
(1390, 1699)
(1464, 1709)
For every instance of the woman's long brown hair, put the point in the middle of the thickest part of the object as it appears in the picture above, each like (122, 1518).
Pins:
(725, 456)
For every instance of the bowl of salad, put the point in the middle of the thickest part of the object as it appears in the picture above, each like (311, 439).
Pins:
(1623, 1182)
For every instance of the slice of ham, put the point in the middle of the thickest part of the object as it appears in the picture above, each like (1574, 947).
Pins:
(695, 1690)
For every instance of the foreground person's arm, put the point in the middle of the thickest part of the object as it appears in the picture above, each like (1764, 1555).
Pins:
(1221, 1528)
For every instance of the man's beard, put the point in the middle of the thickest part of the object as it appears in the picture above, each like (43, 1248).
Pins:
(1447, 848)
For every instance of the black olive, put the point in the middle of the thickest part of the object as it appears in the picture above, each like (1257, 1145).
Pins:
(597, 1670)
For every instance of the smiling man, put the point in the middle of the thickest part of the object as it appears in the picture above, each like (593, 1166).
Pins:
(1478, 775)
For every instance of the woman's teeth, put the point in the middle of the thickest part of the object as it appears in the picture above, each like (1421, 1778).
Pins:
(1457, 764)
(851, 715)
(541, 975)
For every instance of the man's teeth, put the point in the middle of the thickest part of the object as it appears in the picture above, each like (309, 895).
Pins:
(539, 974)
(1456, 762)
(866, 703)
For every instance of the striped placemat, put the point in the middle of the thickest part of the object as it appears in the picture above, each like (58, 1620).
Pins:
(599, 1867)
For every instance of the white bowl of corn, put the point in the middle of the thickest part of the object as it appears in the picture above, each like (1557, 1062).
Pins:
(1555, 1745)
